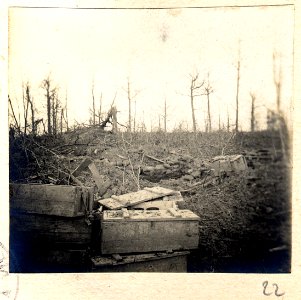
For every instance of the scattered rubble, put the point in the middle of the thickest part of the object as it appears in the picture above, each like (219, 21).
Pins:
(238, 195)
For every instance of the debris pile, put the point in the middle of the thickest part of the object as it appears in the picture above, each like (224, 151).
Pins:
(147, 221)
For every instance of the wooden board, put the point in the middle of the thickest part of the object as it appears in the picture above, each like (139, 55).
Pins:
(50, 229)
(134, 198)
(148, 231)
(170, 201)
(111, 203)
(58, 200)
(151, 262)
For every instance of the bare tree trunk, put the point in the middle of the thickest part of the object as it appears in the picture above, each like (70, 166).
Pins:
(195, 86)
(13, 113)
(61, 125)
(277, 81)
(130, 107)
(252, 112)
(165, 117)
(33, 123)
(53, 115)
(46, 86)
(237, 93)
(99, 110)
(135, 116)
(208, 90)
(159, 124)
(93, 106)
(66, 109)
(24, 110)
(228, 121)
(192, 111)
(209, 117)
(26, 107)
(219, 122)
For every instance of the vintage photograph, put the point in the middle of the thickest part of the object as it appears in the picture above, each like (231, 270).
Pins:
(150, 139)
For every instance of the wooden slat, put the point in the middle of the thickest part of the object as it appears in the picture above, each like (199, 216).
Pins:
(156, 215)
(48, 199)
(133, 264)
(161, 191)
(99, 261)
(139, 237)
(134, 198)
(141, 196)
(82, 166)
(111, 203)
(50, 228)
(102, 185)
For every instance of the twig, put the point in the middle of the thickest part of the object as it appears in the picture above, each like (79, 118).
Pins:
(195, 185)
(32, 141)
(120, 156)
(154, 158)
(232, 136)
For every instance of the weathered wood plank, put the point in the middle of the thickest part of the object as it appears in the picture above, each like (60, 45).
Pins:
(151, 262)
(143, 234)
(110, 203)
(51, 229)
(160, 190)
(142, 196)
(82, 166)
(102, 185)
(58, 200)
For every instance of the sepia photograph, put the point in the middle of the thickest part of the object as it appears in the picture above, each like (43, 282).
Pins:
(151, 139)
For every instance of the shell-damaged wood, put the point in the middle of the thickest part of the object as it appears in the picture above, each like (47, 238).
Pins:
(57, 200)
(134, 198)
(50, 230)
(147, 231)
(147, 262)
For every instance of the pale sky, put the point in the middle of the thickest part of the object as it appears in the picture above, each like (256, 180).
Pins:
(157, 50)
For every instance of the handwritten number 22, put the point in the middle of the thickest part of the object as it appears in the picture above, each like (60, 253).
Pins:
(265, 285)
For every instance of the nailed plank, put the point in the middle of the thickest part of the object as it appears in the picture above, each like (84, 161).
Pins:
(51, 229)
(160, 190)
(149, 215)
(58, 200)
(110, 203)
(82, 166)
(137, 263)
(101, 184)
(142, 196)
(147, 235)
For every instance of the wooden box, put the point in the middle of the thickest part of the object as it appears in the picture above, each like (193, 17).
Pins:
(131, 231)
(228, 164)
(50, 229)
(151, 262)
(46, 199)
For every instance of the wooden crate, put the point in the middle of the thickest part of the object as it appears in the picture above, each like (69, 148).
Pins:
(50, 229)
(154, 262)
(229, 163)
(58, 200)
(131, 231)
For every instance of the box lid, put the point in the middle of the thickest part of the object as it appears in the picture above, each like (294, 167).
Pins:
(149, 215)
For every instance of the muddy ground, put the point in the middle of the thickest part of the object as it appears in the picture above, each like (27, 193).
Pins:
(245, 221)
